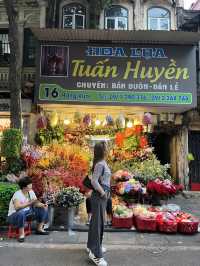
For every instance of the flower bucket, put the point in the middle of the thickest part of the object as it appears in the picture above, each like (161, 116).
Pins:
(188, 227)
(122, 222)
(166, 227)
(51, 215)
(70, 218)
(146, 224)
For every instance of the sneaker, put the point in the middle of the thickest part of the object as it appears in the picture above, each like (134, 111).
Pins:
(21, 239)
(88, 250)
(103, 250)
(97, 261)
(42, 233)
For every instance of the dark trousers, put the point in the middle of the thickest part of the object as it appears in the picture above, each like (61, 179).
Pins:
(19, 218)
(96, 228)
(108, 205)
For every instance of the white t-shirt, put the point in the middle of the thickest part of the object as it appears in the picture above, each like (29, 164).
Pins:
(19, 195)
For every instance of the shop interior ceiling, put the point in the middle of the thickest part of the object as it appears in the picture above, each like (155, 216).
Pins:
(112, 110)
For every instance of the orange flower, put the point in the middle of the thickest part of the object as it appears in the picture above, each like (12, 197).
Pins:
(143, 142)
(119, 139)
(128, 132)
(138, 129)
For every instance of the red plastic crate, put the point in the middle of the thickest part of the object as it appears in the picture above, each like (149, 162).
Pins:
(122, 222)
(14, 232)
(168, 227)
(145, 224)
(188, 227)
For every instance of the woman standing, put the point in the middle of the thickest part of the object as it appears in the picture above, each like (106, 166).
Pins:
(101, 183)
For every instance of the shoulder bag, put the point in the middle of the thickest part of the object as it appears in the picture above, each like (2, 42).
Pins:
(87, 181)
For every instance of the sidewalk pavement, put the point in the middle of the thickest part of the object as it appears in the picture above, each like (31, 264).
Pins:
(113, 241)
(119, 239)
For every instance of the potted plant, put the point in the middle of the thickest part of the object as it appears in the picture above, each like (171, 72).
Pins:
(69, 198)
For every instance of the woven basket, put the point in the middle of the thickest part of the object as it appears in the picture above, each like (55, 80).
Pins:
(122, 222)
(188, 227)
(145, 224)
(168, 227)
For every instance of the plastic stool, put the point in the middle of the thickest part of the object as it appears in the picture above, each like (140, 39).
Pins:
(13, 232)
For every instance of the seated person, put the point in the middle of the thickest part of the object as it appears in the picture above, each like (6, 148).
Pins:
(24, 204)
(108, 209)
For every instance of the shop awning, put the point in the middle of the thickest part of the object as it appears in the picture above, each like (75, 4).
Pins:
(119, 36)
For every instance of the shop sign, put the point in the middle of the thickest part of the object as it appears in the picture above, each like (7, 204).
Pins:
(116, 74)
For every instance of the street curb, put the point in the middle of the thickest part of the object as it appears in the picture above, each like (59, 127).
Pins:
(113, 247)
(78, 228)
(191, 194)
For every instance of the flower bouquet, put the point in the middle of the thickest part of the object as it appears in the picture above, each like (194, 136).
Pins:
(69, 197)
(167, 222)
(31, 155)
(122, 175)
(129, 190)
(163, 188)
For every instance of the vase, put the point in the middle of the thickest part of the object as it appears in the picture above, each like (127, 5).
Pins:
(51, 215)
(60, 217)
(64, 217)
(70, 220)
(70, 217)
(155, 199)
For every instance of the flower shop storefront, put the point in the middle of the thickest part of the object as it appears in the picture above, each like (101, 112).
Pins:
(100, 87)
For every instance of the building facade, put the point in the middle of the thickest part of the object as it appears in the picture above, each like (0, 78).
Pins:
(189, 20)
(31, 14)
(139, 30)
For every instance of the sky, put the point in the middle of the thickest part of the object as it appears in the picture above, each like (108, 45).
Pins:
(188, 3)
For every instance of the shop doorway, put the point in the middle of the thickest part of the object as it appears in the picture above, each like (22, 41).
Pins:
(162, 147)
(194, 174)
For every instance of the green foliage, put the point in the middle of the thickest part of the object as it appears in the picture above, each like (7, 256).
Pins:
(190, 157)
(11, 143)
(148, 169)
(15, 166)
(2, 176)
(50, 135)
(131, 143)
(100, 131)
(6, 192)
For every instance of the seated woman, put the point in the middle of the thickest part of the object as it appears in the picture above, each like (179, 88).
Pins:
(24, 204)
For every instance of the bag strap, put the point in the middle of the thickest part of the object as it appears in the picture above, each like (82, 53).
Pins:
(29, 196)
(103, 171)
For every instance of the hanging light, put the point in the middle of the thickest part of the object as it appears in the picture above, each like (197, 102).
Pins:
(97, 122)
(104, 123)
(136, 122)
(66, 122)
(129, 124)
(120, 121)
(147, 119)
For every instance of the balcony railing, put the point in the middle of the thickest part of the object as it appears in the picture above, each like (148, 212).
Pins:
(4, 49)
(28, 76)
